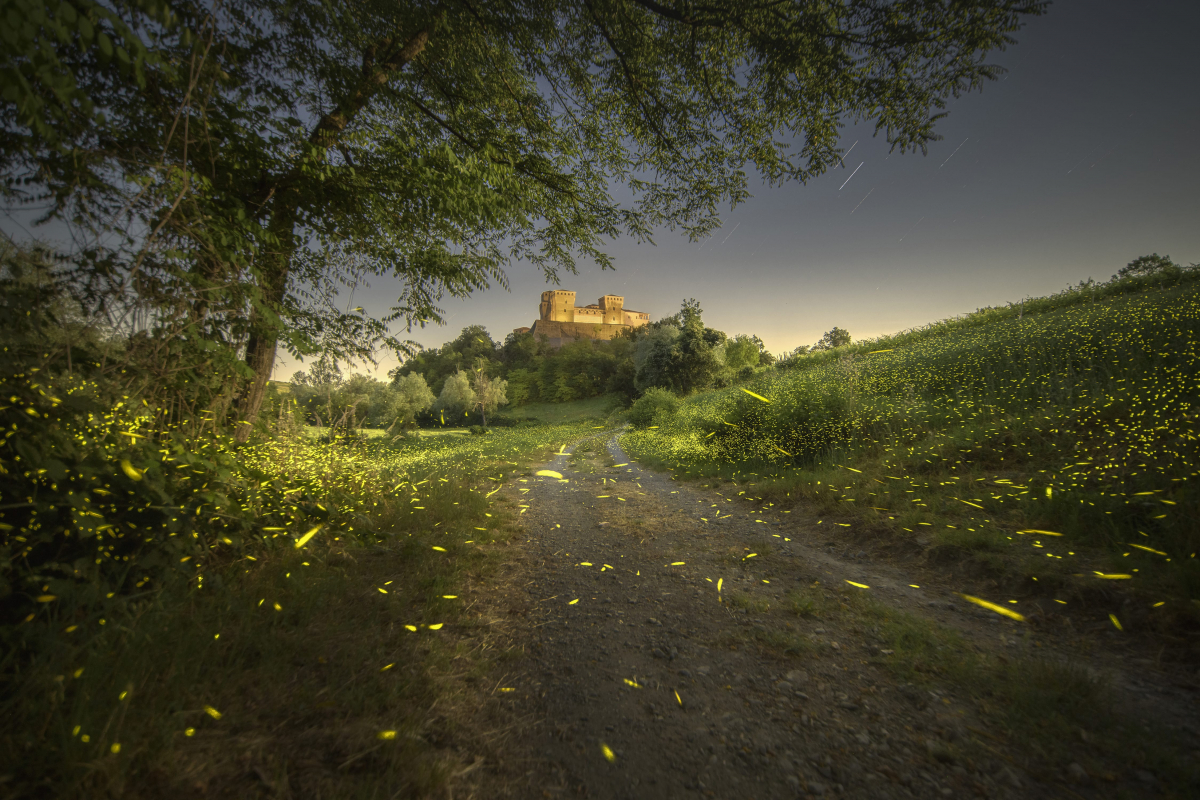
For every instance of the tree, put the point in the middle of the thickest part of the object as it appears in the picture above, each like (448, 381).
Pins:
(834, 338)
(694, 364)
(436, 364)
(679, 353)
(255, 157)
(1145, 265)
(652, 407)
(652, 357)
(522, 386)
(457, 394)
(412, 396)
(325, 372)
(489, 391)
(741, 351)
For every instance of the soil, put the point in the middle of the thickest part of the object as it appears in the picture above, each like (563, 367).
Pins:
(660, 682)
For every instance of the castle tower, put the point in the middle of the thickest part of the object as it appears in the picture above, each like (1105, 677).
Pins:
(557, 306)
(613, 306)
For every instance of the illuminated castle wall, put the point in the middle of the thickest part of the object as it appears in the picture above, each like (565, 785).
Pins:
(561, 321)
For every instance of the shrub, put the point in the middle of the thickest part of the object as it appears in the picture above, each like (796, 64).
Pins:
(650, 405)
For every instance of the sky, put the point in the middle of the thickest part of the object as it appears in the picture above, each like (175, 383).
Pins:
(1084, 156)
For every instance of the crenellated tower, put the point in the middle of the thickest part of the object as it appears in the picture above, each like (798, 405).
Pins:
(557, 306)
(613, 308)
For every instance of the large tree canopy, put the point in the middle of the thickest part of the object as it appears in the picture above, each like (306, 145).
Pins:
(259, 157)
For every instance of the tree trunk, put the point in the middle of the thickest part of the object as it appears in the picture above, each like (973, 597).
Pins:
(264, 329)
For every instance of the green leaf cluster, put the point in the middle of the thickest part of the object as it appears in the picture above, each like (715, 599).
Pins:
(231, 171)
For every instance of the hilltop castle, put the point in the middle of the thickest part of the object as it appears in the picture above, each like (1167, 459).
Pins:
(561, 321)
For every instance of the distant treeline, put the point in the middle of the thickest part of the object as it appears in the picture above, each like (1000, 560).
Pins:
(678, 353)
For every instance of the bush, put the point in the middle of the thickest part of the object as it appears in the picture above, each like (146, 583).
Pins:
(477, 430)
(649, 406)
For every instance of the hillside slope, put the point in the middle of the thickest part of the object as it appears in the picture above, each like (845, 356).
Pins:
(1052, 453)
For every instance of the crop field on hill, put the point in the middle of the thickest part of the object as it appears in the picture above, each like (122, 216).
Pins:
(1061, 444)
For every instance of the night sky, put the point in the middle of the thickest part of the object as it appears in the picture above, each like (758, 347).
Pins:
(1083, 157)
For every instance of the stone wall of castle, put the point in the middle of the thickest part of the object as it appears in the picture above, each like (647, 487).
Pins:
(561, 321)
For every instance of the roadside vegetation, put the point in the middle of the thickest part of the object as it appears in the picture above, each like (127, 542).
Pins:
(1052, 444)
(184, 611)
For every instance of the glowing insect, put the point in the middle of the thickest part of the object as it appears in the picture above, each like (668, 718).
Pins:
(992, 607)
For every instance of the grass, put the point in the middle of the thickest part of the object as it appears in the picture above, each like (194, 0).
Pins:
(593, 409)
(975, 437)
(741, 600)
(315, 432)
(337, 669)
(590, 455)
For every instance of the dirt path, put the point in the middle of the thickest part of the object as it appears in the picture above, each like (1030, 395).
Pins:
(672, 651)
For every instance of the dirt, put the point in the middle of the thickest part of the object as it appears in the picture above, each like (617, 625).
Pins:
(658, 684)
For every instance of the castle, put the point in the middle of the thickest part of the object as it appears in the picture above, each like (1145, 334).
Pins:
(561, 321)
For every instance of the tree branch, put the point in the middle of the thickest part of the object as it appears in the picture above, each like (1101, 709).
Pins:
(326, 134)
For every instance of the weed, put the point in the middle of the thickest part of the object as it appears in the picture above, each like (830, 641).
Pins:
(805, 603)
(748, 602)
(784, 642)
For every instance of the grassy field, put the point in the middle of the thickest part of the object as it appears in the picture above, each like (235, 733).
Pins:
(304, 655)
(377, 433)
(1055, 445)
(594, 409)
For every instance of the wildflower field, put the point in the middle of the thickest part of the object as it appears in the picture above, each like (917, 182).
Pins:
(1057, 440)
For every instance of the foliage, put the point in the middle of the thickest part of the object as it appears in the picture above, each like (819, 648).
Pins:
(254, 159)
(742, 352)
(412, 396)
(662, 354)
(325, 372)
(1146, 265)
(834, 338)
(457, 394)
(652, 358)
(355, 402)
(439, 363)
(681, 354)
(489, 391)
(655, 407)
